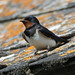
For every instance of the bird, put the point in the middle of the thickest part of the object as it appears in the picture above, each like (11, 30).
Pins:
(39, 36)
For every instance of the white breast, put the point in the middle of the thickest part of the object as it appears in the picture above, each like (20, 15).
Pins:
(40, 41)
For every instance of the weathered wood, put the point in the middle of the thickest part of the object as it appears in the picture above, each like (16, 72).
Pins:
(17, 58)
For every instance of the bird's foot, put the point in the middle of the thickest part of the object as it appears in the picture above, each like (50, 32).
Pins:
(35, 53)
(48, 48)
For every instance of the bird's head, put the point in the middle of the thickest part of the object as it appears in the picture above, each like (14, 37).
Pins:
(29, 21)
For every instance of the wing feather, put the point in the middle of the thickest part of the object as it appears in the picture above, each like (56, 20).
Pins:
(48, 33)
(23, 35)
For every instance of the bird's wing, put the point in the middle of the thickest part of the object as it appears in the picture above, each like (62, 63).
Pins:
(23, 35)
(49, 34)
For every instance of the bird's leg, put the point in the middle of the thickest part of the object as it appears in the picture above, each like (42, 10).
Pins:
(35, 52)
(48, 47)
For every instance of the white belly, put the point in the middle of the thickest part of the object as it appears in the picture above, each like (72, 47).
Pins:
(40, 41)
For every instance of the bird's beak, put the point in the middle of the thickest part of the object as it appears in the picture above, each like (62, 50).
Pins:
(21, 20)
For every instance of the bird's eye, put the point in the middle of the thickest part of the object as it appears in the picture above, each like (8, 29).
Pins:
(27, 18)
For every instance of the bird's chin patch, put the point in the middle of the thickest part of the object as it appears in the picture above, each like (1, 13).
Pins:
(25, 23)
(28, 24)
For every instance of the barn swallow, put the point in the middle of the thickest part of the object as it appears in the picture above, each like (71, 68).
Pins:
(39, 36)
